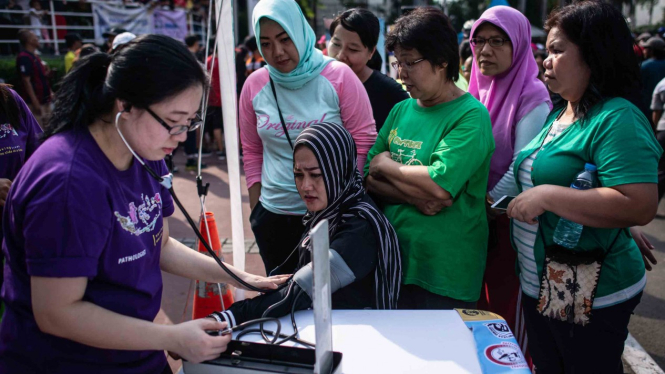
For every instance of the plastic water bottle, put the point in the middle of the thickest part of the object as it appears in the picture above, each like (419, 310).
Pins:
(568, 233)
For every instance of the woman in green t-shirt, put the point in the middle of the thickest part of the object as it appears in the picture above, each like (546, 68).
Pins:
(429, 168)
(592, 66)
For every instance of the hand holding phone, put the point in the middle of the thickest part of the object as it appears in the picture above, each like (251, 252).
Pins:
(502, 203)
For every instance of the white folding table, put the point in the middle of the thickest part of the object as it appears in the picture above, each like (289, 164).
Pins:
(393, 341)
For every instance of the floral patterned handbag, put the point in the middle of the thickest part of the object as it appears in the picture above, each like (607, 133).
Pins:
(569, 282)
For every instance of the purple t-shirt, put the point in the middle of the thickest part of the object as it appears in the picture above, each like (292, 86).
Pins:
(17, 145)
(71, 213)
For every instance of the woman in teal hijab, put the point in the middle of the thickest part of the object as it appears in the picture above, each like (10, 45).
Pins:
(296, 89)
(288, 16)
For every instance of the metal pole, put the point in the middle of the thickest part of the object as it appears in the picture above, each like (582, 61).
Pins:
(315, 17)
(190, 21)
(53, 27)
(543, 10)
(227, 81)
(236, 24)
(522, 6)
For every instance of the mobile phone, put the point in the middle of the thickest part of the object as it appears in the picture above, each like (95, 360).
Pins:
(502, 203)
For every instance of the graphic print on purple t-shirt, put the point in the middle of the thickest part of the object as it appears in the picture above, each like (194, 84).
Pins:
(142, 213)
(6, 129)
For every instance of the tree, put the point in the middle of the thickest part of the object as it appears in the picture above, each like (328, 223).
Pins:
(462, 11)
(651, 4)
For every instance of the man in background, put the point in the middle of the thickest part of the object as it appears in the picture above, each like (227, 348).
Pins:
(34, 84)
(193, 43)
(652, 71)
(110, 35)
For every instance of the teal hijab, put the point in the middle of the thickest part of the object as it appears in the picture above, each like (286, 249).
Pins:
(287, 14)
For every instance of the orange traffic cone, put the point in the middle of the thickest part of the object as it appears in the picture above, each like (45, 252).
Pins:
(210, 297)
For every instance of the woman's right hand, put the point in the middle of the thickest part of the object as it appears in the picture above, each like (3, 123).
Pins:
(190, 341)
(645, 247)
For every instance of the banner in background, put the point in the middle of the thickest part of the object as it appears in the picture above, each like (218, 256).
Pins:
(170, 22)
(135, 20)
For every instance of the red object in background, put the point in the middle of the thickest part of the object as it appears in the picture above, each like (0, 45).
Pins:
(215, 95)
(61, 21)
(208, 297)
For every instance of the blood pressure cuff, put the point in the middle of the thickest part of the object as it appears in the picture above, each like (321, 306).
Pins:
(340, 274)
(248, 309)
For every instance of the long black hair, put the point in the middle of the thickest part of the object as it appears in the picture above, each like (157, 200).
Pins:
(148, 70)
(606, 44)
(9, 106)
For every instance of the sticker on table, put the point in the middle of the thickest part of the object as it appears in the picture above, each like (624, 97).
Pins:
(499, 329)
(507, 355)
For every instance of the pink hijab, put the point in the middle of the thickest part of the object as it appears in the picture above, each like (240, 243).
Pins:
(511, 95)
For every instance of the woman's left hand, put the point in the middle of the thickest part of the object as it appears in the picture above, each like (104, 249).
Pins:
(377, 161)
(266, 283)
(528, 205)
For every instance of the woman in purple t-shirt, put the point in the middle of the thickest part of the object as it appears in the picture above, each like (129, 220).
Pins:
(85, 235)
(19, 134)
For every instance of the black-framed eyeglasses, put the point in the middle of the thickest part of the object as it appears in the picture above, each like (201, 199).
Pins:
(178, 129)
(493, 42)
(408, 66)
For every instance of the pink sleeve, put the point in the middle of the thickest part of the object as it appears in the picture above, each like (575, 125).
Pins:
(252, 146)
(355, 108)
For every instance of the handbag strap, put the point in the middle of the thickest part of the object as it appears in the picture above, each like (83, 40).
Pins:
(281, 118)
(542, 236)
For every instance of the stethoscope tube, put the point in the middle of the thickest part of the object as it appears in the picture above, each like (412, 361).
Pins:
(212, 253)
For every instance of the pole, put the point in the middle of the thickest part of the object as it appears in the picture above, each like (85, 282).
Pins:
(53, 27)
(227, 80)
(543, 10)
(315, 17)
(250, 9)
(236, 24)
(190, 22)
(522, 6)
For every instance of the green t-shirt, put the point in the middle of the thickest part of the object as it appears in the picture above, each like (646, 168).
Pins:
(445, 253)
(617, 138)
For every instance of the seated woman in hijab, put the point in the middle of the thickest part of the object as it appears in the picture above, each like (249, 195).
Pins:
(365, 269)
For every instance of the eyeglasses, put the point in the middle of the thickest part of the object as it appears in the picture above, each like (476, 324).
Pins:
(408, 66)
(493, 42)
(178, 129)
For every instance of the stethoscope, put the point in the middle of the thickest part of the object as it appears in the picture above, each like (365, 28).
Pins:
(166, 181)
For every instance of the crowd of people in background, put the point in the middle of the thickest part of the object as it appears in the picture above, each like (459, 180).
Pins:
(406, 171)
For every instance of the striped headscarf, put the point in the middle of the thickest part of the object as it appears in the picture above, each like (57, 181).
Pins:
(335, 152)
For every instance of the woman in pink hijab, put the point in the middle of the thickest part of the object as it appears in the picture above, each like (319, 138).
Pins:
(504, 77)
